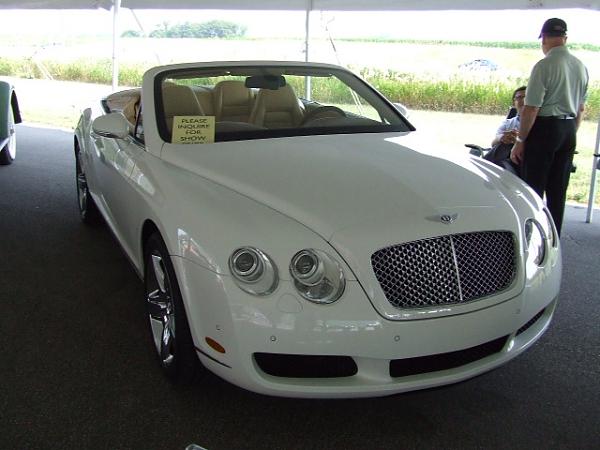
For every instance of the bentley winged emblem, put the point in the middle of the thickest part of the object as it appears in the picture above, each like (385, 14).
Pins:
(448, 218)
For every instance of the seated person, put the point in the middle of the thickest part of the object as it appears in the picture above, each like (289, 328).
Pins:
(507, 132)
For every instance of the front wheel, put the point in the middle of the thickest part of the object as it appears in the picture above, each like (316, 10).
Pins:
(166, 314)
(9, 152)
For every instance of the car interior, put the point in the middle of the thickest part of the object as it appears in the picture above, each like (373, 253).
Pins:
(248, 107)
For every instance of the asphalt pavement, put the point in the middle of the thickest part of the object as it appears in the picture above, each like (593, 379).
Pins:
(77, 369)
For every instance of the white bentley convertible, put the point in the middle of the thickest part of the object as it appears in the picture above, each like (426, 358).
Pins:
(292, 244)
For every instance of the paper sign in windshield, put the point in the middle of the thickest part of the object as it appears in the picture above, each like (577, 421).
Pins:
(193, 130)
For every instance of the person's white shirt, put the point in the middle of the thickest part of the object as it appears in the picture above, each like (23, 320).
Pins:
(509, 124)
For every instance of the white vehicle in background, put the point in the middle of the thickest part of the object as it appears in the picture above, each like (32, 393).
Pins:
(479, 65)
(292, 244)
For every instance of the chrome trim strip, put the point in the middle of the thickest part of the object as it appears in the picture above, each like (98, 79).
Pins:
(455, 259)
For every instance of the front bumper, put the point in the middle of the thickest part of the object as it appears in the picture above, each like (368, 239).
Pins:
(284, 324)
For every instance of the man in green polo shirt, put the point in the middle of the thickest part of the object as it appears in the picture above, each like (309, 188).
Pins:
(554, 106)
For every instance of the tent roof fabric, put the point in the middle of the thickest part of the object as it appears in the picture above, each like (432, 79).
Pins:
(302, 5)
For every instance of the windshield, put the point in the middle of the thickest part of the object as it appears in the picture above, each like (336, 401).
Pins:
(207, 105)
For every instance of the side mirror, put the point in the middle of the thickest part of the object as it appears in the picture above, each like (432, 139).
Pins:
(112, 126)
(402, 109)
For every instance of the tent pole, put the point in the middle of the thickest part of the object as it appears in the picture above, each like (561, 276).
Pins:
(115, 56)
(309, 5)
(307, 29)
(595, 168)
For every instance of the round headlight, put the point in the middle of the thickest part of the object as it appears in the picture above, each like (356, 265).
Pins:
(307, 268)
(317, 276)
(253, 271)
(536, 242)
(246, 264)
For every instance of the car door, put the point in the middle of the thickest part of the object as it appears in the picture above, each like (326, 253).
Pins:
(131, 205)
(104, 173)
(114, 165)
(132, 189)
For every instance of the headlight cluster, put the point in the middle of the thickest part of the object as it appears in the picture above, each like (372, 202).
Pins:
(253, 271)
(317, 276)
(537, 234)
(536, 242)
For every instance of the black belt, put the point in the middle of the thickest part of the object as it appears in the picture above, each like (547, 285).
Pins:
(563, 117)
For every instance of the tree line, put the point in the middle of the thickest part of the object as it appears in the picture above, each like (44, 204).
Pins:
(213, 29)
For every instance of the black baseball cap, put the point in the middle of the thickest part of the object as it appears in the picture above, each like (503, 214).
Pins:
(554, 27)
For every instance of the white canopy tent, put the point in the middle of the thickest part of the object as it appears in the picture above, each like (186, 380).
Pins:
(308, 6)
(301, 5)
(333, 5)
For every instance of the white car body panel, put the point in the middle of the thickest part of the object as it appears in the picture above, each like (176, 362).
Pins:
(348, 195)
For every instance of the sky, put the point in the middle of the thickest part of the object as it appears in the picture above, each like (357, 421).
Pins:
(505, 25)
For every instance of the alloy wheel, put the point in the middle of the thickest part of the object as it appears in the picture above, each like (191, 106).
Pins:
(160, 310)
(82, 189)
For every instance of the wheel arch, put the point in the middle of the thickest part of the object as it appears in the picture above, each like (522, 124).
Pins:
(148, 229)
(14, 102)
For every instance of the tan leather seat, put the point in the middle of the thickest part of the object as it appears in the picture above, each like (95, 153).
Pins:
(179, 100)
(277, 108)
(233, 101)
(205, 98)
(131, 110)
(127, 102)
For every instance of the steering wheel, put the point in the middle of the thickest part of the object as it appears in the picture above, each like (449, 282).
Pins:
(323, 112)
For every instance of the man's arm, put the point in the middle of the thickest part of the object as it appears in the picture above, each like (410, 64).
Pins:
(527, 120)
(579, 116)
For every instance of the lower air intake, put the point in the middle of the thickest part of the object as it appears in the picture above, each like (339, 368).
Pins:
(444, 361)
(305, 366)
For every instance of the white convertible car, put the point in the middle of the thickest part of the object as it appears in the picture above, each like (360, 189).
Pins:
(292, 244)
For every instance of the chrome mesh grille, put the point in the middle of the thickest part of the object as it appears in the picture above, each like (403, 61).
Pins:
(446, 270)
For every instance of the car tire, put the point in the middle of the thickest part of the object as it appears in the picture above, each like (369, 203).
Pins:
(9, 151)
(169, 327)
(88, 211)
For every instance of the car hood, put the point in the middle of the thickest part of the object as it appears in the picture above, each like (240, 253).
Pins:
(336, 183)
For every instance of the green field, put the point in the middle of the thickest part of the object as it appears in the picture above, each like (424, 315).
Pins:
(422, 75)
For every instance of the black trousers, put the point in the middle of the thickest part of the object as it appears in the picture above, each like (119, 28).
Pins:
(547, 162)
